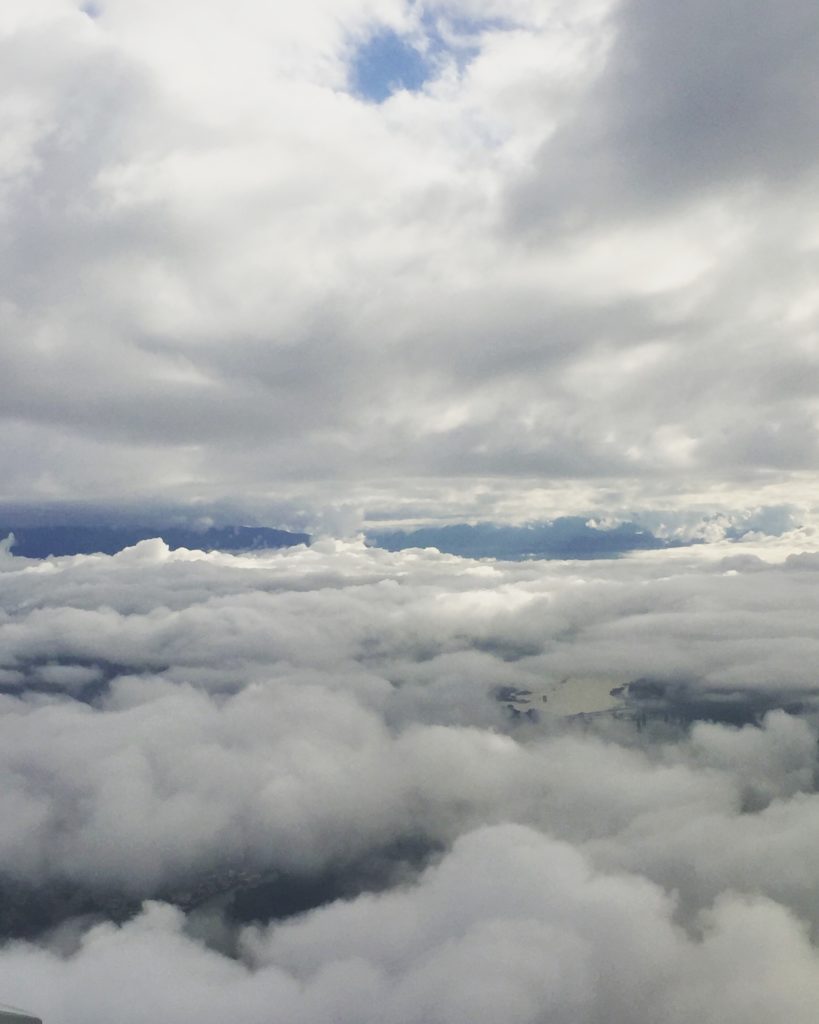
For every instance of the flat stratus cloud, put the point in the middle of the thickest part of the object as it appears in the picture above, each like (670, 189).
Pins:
(582, 250)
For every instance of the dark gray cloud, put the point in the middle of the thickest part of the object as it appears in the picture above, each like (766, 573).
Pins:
(708, 94)
(695, 101)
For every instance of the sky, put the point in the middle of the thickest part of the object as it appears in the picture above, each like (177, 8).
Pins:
(373, 260)
(465, 276)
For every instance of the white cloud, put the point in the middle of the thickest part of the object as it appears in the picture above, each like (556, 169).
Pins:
(305, 707)
(224, 272)
(510, 924)
(174, 720)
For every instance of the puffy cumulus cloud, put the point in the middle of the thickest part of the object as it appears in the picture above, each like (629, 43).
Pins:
(579, 252)
(300, 757)
(171, 714)
(510, 924)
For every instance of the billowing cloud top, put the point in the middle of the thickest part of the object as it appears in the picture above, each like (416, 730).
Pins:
(332, 775)
(403, 252)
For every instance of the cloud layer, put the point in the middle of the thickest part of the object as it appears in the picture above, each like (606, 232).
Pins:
(509, 925)
(176, 723)
(581, 252)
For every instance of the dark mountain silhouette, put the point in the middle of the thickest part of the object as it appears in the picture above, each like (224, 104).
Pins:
(565, 537)
(77, 539)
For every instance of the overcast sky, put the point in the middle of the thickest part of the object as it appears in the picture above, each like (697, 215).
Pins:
(465, 257)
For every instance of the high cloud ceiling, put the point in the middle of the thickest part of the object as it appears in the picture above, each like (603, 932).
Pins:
(579, 254)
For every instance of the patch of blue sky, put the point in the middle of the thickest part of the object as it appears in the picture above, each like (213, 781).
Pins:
(387, 62)
(93, 10)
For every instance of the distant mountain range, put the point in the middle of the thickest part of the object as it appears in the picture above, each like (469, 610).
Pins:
(565, 537)
(76, 539)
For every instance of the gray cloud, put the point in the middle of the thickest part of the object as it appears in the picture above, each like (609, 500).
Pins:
(693, 102)
(224, 274)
